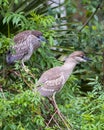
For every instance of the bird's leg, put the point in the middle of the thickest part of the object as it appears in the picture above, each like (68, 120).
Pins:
(58, 112)
(27, 70)
(24, 67)
(52, 117)
(52, 102)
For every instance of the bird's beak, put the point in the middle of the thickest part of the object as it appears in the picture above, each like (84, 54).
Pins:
(86, 58)
(42, 39)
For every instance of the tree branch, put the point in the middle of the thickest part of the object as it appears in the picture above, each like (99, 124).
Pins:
(99, 5)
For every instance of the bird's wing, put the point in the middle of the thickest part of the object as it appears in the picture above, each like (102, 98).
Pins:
(30, 40)
(52, 80)
(19, 50)
(21, 37)
(26, 47)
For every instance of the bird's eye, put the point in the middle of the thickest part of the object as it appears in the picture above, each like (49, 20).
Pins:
(82, 56)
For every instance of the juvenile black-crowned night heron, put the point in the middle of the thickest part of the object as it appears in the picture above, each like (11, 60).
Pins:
(25, 44)
(54, 79)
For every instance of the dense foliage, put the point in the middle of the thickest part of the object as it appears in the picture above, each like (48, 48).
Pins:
(81, 99)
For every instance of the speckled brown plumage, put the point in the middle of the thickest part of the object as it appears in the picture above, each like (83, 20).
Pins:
(53, 79)
(22, 36)
(24, 45)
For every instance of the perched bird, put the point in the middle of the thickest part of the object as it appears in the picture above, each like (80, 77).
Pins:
(53, 79)
(25, 44)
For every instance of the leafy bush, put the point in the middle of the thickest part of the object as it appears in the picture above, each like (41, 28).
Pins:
(81, 99)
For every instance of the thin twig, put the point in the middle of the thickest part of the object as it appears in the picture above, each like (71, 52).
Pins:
(33, 76)
(1, 90)
(28, 72)
(99, 5)
(51, 118)
(55, 2)
(26, 81)
(16, 73)
(56, 123)
(66, 119)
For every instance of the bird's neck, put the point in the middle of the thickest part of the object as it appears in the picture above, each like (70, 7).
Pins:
(69, 65)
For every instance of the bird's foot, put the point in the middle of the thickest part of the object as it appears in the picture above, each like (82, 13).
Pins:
(26, 69)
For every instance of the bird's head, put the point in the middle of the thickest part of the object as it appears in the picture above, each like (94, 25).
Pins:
(39, 35)
(79, 56)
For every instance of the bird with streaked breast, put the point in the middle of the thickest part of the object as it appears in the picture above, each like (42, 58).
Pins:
(25, 44)
(54, 79)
